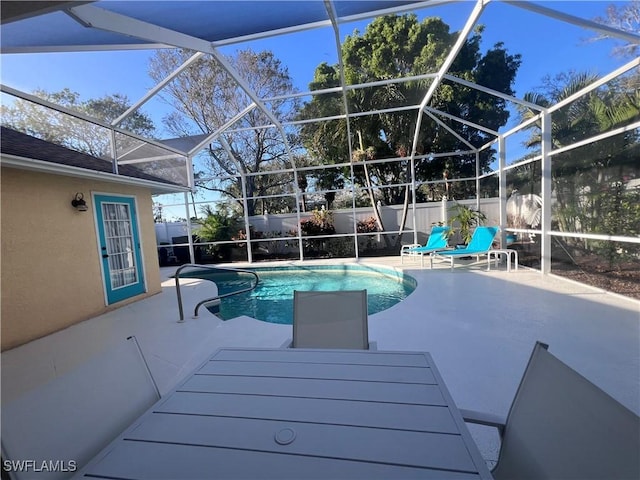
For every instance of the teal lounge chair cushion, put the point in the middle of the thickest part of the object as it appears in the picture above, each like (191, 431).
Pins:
(437, 240)
(481, 242)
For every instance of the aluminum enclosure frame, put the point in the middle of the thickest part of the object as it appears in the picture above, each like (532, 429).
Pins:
(99, 16)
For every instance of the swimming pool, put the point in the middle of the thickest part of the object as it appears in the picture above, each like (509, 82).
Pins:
(272, 300)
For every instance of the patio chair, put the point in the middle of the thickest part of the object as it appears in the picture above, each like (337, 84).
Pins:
(75, 415)
(438, 240)
(334, 319)
(560, 425)
(480, 244)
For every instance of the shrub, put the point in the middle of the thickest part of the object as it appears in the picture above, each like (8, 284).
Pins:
(242, 235)
(320, 223)
(216, 225)
(466, 218)
(368, 225)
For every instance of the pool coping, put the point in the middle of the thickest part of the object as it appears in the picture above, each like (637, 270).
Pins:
(398, 275)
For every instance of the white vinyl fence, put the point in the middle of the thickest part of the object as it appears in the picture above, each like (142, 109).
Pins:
(426, 215)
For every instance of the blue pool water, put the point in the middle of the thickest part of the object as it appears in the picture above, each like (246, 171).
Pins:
(272, 300)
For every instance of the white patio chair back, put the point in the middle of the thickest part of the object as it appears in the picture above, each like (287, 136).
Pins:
(335, 319)
(561, 425)
(74, 416)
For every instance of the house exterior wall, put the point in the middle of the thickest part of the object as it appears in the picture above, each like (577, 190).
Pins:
(50, 262)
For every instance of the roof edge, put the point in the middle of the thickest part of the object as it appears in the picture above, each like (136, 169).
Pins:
(24, 163)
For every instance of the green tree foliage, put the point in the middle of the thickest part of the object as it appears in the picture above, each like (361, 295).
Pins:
(394, 47)
(619, 214)
(590, 182)
(464, 219)
(596, 112)
(217, 226)
(206, 98)
(69, 131)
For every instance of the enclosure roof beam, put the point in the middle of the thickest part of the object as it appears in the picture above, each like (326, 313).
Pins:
(341, 165)
(152, 92)
(81, 172)
(222, 129)
(493, 92)
(76, 114)
(460, 120)
(598, 83)
(449, 129)
(99, 18)
(94, 17)
(376, 83)
(444, 68)
(457, 46)
(39, 101)
(522, 125)
(341, 116)
(580, 22)
(610, 133)
(257, 101)
(343, 81)
(239, 166)
(129, 151)
(146, 159)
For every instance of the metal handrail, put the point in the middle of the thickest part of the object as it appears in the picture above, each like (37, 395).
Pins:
(217, 297)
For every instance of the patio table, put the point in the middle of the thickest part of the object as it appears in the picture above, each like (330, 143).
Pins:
(299, 413)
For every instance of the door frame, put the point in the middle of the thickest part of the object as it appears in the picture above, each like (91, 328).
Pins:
(137, 232)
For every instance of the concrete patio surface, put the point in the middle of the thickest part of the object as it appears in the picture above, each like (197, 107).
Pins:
(479, 326)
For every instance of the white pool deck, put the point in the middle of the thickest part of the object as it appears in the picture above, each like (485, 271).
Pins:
(479, 326)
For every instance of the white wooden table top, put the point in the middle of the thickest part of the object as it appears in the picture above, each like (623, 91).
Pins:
(294, 413)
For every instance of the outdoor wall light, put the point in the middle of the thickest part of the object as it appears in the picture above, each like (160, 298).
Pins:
(78, 202)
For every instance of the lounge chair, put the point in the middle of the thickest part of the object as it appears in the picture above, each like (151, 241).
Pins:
(334, 319)
(437, 241)
(480, 244)
(560, 425)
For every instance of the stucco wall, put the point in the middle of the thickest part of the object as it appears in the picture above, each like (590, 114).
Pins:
(50, 268)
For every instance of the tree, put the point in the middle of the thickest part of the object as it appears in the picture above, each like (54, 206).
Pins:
(206, 98)
(598, 111)
(71, 132)
(627, 18)
(394, 47)
(589, 182)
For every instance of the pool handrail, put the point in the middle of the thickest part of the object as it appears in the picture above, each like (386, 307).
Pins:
(217, 297)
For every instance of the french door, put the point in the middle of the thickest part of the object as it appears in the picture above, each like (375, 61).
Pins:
(119, 240)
